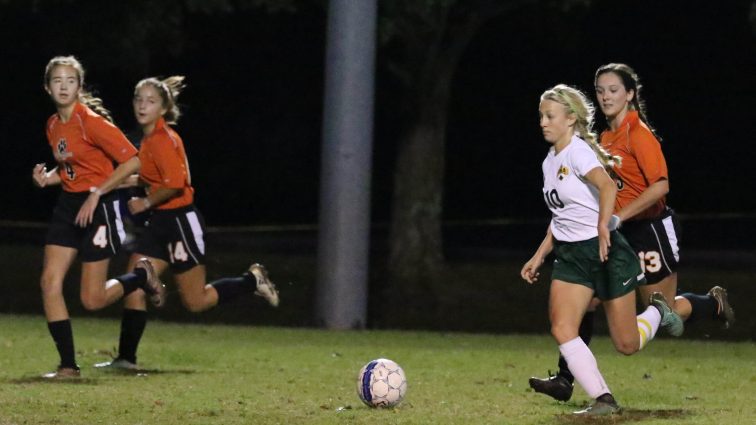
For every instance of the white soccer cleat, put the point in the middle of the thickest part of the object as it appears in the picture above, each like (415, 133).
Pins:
(265, 288)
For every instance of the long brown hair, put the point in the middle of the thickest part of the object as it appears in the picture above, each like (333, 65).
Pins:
(631, 81)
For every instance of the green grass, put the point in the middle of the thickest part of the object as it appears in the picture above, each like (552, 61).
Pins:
(220, 374)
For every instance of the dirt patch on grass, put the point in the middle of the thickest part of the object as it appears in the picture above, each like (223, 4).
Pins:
(627, 416)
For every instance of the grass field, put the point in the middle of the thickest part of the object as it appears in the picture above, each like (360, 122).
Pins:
(220, 374)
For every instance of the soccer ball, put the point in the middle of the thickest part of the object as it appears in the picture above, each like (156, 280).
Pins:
(381, 383)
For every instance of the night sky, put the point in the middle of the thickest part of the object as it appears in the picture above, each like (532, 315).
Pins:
(253, 105)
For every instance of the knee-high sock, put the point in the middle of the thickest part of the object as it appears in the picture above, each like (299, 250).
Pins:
(585, 332)
(62, 334)
(584, 367)
(648, 324)
(133, 323)
(229, 288)
(701, 306)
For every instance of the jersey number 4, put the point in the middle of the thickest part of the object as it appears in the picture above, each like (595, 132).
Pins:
(177, 252)
(101, 237)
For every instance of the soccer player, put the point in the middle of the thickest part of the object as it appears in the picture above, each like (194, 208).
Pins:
(648, 224)
(174, 235)
(592, 258)
(86, 219)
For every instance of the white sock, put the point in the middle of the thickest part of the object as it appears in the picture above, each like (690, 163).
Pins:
(648, 324)
(584, 368)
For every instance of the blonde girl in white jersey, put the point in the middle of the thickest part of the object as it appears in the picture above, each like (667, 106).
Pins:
(592, 258)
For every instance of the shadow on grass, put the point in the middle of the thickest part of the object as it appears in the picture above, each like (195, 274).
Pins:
(95, 380)
(147, 372)
(628, 415)
(61, 381)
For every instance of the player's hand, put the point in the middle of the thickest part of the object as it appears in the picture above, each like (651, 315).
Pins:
(39, 175)
(529, 272)
(604, 243)
(138, 205)
(86, 212)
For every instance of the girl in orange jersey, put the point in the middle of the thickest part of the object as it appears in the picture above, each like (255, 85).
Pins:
(86, 218)
(174, 233)
(649, 225)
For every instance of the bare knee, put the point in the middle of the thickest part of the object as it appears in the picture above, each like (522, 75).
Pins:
(50, 286)
(194, 306)
(563, 333)
(627, 347)
(92, 302)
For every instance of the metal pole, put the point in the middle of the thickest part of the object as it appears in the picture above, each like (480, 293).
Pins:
(346, 163)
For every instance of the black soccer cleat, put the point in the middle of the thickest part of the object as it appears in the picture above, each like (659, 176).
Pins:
(555, 386)
(724, 309)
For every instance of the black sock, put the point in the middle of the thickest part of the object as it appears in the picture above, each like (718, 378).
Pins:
(586, 333)
(132, 281)
(702, 306)
(133, 323)
(62, 334)
(229, 288)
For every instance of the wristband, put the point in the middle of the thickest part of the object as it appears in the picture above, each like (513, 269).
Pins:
(147, 203)
(96, 190)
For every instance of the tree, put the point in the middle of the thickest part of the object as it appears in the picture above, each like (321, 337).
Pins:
(427, 39)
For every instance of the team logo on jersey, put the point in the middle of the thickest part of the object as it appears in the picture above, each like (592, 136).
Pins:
(563, 172)
(61, 153)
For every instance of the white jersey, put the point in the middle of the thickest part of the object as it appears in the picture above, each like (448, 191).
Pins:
(573, 201)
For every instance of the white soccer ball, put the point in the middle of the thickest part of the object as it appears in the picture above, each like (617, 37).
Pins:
(381, 383)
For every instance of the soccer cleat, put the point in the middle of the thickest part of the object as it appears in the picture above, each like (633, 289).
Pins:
(152, 285)
(724, 310)
(670, 320)
(120, 364)
(555, 386)
(600, 408)
(63, 373)
(265, 288)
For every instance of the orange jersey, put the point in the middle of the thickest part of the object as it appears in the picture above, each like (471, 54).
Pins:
(642, 162)
(85, 148)
(164, 165)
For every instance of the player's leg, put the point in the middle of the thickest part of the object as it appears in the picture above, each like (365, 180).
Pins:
(656, 242)
(57, 261)
(560, 386)
(133, 320)
(197, 295)
(567, 304)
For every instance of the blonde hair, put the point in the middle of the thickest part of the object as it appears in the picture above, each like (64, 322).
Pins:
(169, 90)
(577, 104)
(85, 96)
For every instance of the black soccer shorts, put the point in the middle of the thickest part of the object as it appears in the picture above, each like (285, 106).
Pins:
(175, 236)
(656, 242)
(101, 239)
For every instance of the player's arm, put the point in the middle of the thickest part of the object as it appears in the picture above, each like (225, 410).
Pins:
(155, 198)
(529, 271)
(653, 166)
(647, 198)
(42, 177)
(607, 194)
(125, 169)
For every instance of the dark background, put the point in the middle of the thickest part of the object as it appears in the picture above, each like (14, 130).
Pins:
(253, 105)
(252, 120)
